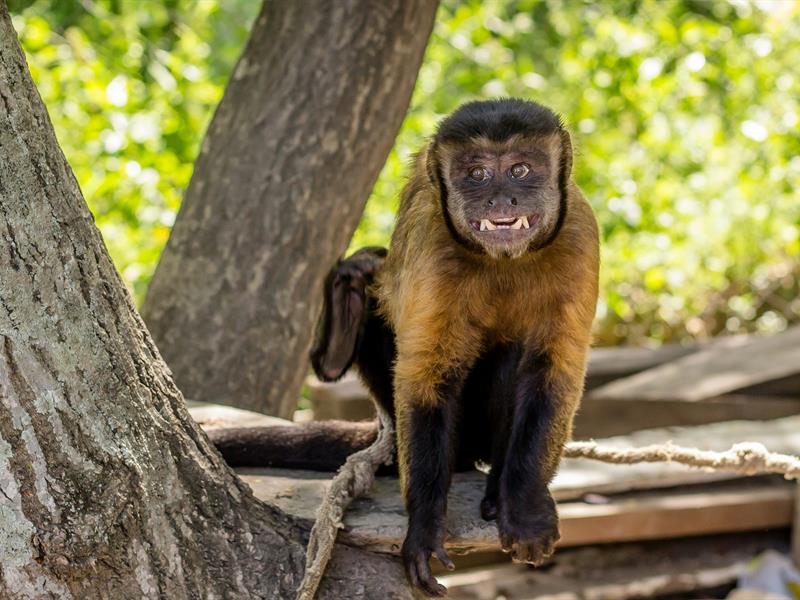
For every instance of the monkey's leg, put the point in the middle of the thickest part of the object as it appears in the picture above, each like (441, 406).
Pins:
(495, 380)
(426, 435)
(345, 311)
(544, 405)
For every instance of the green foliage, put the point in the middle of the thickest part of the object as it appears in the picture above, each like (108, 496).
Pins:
(684, 115)
(130, 87)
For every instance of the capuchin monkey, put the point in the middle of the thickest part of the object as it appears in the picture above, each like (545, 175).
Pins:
(472, 331)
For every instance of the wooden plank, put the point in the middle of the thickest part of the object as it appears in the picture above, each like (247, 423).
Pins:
(612, 362)
(727, 366)
(600, 417)
(378, 522)
(210, 416)
(674, 514)
(705, 567)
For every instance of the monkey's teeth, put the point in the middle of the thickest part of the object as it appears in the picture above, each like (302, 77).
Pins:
(525, 222)
(487, 225)
(517, 224)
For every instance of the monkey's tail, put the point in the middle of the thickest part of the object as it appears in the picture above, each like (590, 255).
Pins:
(315, 446)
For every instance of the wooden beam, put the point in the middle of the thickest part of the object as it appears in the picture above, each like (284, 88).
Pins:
(730, 364)
(605, 417)
(378, 522)
(673, 514)
(705, 567)
(211, 416)
(612, 362)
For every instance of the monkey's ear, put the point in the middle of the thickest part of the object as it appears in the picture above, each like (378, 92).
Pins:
(433, 167)
(565, 166)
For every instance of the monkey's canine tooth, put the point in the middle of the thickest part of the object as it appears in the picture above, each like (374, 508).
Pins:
(483, 224)
(525, 222)
(487, 225)
(517, 224)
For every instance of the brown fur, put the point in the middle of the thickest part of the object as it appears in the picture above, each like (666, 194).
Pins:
(446, 303)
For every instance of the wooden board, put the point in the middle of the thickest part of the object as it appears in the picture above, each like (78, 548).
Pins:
(729, 365)
(210, 416)
(378, 522)
(705, 567)
(601, 417)
(612, 362)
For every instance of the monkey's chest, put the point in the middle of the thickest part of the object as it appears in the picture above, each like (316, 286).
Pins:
(503, 315)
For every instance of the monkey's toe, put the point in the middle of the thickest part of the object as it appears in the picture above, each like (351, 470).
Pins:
(534, 552)
(529, 540)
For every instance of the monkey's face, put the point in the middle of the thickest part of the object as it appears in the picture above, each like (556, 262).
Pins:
(504, 197)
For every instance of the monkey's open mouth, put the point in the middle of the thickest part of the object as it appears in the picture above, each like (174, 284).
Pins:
(523, 222)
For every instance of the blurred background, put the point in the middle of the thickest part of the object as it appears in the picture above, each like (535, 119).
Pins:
(684, 114)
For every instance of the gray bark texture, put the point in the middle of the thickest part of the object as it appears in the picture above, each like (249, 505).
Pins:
(108, 489)
(293, 151)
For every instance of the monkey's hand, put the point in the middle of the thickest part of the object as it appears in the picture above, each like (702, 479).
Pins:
(528, 527)
(422, 541)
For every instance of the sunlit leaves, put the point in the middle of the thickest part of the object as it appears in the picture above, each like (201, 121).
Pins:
(684, 115)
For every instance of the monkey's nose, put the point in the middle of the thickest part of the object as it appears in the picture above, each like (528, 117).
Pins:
(503, 200)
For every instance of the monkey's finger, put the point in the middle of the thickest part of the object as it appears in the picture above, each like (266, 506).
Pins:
(506, 543)
(427, 581)
(444, 558)
(411, 573)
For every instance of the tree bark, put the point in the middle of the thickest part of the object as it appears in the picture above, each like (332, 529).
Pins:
(108, 489)
(288, 162)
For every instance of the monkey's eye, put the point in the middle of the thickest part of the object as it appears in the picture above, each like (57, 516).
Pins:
(478, 174)
(519, 171)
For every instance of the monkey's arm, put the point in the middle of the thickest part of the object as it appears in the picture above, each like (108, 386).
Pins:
(545, 400)
(344, 312)
(426, 453)
(435, 354)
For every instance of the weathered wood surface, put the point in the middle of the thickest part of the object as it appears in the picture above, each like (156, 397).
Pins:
(378, 522)
(707, 567)
(605, 417)
(609, 363)
(727, 366)
(211, 416)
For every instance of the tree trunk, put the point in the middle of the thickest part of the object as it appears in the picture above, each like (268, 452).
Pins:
(108, 489)
(288, 162)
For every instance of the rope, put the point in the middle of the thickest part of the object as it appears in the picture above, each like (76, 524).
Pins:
(358, 474)
(747, 458)
(354, 479)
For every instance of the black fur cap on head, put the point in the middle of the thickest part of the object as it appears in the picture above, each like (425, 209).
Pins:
(498, 120)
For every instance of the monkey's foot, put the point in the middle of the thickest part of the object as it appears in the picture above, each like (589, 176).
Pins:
(417, 549)
(530, 533)
(489, 508)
